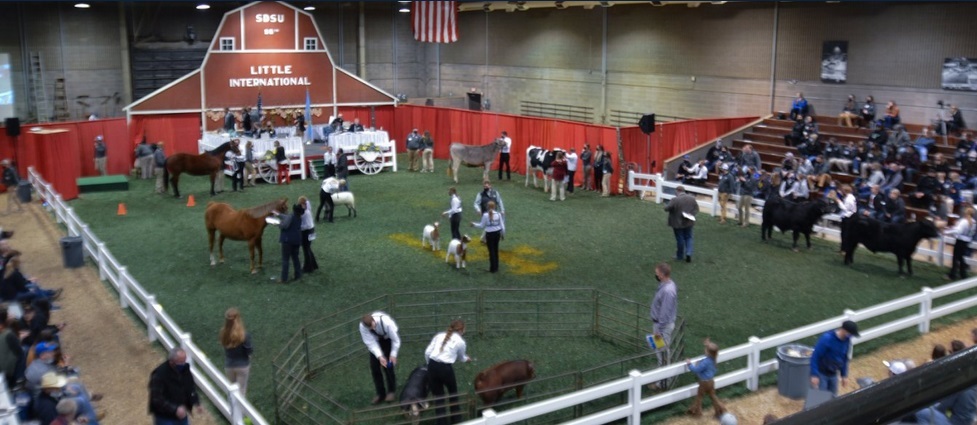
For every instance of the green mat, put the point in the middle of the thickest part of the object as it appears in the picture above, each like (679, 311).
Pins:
(102, 183)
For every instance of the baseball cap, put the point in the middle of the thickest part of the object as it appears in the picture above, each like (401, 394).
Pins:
(896, 367)
(686, 157)
(98, 138)
(727, 419)
(44, 347)
(851, 327)
(725, 167)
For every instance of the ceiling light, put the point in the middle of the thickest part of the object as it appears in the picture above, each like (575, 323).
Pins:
(308, 8)
(404, 9)
(203, 6)
(82, 5)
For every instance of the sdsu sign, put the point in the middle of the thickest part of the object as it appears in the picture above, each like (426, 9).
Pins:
(265, 18)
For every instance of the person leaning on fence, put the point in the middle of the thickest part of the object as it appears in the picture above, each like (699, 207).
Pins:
(381, 336)
(705, 371)
(664, 310)
(444, 350)
(830, 358)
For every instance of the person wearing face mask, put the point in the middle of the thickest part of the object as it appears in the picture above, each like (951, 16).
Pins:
(43, 363)
(172, 392)
(664, 309)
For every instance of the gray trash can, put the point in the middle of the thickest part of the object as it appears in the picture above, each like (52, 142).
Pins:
(71, 249)
(794, 370)
(24, 191)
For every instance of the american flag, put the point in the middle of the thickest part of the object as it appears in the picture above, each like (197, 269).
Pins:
(435, 21)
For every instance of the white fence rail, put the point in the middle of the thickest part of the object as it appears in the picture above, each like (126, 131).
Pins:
(631, 410)
(160, 326)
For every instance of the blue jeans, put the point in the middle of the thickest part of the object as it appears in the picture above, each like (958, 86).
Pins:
(828, 383)
(161, 421)
(683, 242)
(931, 415)
(79, 393)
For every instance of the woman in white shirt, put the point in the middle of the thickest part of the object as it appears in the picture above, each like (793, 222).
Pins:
(494, 225)
(454, 213)
(962, 231)
(309, 264)
(848, 206)
(444, 350)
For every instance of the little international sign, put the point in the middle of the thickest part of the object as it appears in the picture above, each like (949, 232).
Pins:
(280, 76)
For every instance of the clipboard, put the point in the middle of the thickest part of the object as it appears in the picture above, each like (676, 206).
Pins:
(688, 216)
(656, 342)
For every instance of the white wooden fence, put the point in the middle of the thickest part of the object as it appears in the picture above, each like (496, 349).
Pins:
(924, 314)
(160, 326)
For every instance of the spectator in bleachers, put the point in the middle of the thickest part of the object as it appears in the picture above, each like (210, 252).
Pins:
(909, 164)
(789, 164)
(700, 173)
(849, 112)
(725, 157)
(746, 187)
(893, 208)
(926, 189)
(684, 170)
(893, 178)
(939, 164)
(938, 211)
(956, 122)
(811, 146)
(796, 135)
(11, 353)
(867, 111)
(712, 155)
(14, 286)
(877, 177)
(901, 139)
(794, 188)
(46, 401)
(872, 157)
(805, 167)
(953, 188)
(880, 138)
(810, 126)
(768, 184)
(923, 144)
(821, 176)
(749, 158)
(43, 363)
(962, 232)
(799, 108)
(871, 204)
(891, 117)
(939, 352)
(962, 407)
(964, 147)
(843, 158)
(969, 169)
(957, 346)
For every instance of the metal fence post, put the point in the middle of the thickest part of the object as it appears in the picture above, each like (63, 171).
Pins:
(925, 307)
(753, 364)
(635, 398)
(123, 286)
(151, 317)
(480, 312)
(305, 344)
(595, 321)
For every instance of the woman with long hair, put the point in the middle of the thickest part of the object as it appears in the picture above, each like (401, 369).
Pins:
(237, 349)
(444, 350)
(494, 225)
(962, 231)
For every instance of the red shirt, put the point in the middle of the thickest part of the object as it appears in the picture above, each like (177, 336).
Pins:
(559, 169)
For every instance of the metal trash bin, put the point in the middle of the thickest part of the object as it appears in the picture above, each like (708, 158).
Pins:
(794, 370)
(24, 191)
(71, 249)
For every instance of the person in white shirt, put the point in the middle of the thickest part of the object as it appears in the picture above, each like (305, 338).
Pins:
(504, 156)
(848, 206)
(963, 232)
(379, 332)
(444, 350)
(329, 158)
(237, 179)
(494, 225)
(309, 264)
(571, 169)
(454, 213)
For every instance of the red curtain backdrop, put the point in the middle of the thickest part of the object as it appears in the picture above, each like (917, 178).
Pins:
(179, 132)
(673, 138)
(60, 165)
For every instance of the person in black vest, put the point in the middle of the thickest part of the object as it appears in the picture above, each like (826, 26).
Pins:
(482, 199)
(291, 240)
(284, 167)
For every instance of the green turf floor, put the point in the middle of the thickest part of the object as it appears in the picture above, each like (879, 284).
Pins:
(736, 286)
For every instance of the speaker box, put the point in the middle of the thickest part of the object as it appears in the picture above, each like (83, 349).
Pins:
(647, 124)
(13, 126)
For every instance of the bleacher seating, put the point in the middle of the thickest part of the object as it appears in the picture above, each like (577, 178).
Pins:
(767, 139)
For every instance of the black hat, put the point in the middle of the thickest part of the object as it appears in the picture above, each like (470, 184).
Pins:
(850, 327)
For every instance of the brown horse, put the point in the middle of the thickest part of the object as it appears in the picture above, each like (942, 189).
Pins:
(240, 225)
(206, 164)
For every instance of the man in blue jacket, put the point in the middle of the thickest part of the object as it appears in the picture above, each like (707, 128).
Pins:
(830, 358)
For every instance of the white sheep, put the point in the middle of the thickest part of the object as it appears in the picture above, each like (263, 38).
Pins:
(432, 236)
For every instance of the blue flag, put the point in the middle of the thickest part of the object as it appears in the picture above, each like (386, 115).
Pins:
(308, 116)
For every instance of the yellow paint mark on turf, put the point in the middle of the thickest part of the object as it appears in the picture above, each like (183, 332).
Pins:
(519, 260)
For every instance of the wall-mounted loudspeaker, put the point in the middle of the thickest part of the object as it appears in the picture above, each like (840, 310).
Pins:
(647, 124)
(13, 126)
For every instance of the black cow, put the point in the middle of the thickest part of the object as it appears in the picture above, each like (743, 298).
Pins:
(898, 238)
(798, 217)
(539, 159)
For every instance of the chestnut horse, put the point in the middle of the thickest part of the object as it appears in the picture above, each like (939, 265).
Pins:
(240, 225)
(208, 163)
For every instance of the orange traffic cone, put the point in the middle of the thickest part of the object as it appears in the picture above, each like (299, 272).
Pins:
(122, 209)
(190, 201)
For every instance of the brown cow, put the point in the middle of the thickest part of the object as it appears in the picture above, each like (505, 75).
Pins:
(491, 383)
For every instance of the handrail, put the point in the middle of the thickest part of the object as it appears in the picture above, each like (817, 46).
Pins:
(634, 405)
(160, 326)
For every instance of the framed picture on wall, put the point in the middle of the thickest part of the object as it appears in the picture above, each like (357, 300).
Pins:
(960, 74)
(834, 62)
